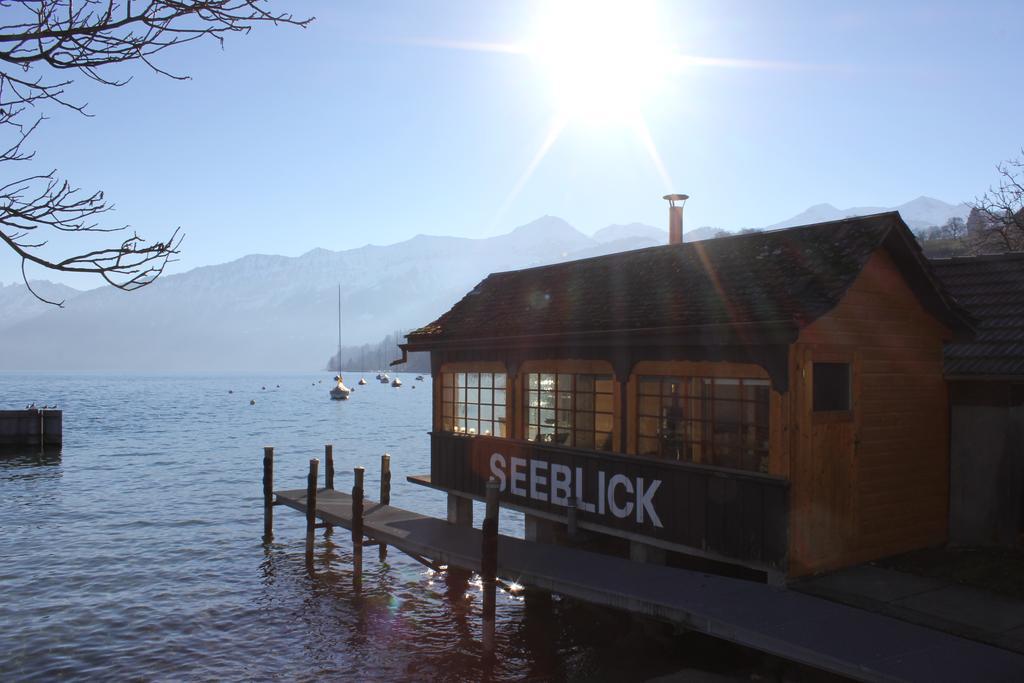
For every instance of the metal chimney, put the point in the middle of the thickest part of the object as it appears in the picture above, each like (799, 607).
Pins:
(675, 217)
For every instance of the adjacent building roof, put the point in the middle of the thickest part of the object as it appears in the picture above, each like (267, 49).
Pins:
(991, 288)
(781, 278)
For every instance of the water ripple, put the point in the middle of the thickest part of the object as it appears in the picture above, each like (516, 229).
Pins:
(135, 553)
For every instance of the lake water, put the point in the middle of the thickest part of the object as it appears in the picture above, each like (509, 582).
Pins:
(136, 552)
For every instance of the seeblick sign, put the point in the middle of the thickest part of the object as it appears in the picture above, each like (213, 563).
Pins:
(719, 512)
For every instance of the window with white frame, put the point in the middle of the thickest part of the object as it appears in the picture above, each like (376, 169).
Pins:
(711, 420)
(473, 403)
(569, 409)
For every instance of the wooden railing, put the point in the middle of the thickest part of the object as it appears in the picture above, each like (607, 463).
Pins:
(719, 512)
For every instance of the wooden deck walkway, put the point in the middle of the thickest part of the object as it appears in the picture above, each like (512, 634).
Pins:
(801, 628)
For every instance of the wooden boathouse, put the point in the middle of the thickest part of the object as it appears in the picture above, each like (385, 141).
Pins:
(772, 401)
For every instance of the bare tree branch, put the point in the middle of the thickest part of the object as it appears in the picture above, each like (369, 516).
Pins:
(1000, 211)
(42, 38)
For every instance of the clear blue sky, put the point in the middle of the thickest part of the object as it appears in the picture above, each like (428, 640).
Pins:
(364, 129)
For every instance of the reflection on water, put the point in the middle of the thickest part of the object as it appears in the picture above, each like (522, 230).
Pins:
(137, 551)
(35, 459)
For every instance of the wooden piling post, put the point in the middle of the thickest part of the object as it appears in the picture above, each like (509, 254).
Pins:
(489, 569)
(385, 479)
(489, 551)
(314, 466)
(570, 515)
(385, 497)
(489, 613)
(357, 507)
(268, 493)
(329, 466)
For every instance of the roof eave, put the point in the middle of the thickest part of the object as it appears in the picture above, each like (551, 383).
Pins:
(768, 332)
(947, 310)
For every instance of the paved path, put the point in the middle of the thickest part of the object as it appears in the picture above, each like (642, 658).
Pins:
(801, 628)
(947, 606)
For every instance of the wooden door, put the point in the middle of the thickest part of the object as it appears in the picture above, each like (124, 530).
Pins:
(824, 471)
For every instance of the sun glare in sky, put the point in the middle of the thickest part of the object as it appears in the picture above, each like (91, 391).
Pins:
(603, 59)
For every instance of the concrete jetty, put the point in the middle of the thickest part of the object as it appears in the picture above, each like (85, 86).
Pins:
(31, 427)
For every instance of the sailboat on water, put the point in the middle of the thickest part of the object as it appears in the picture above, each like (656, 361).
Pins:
(339, 392)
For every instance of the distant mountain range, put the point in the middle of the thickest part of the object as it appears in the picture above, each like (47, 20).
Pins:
(919, 213)
(278, 312)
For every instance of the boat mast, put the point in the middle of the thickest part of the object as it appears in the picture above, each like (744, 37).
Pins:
(339, 327)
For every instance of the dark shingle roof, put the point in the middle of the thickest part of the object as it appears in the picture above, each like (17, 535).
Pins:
(991, 288)
(762, 279)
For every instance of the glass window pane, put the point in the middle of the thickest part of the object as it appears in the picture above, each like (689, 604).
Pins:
(649, 386)
(584, 401)
(584, 440)
(727, 389)
(486, 412)
(532, 434)
(499, 429)
(486, 396)
(547, 417)
(473, 379)
(547, 381)
(447, 379)
(499, 381)
(585, 383)
(460, 379)
(603, 442)
(565, 383)
(472, 396)
(647, 446)
(671, 384)
(603, 384)
(499, 397)
(499, 413)
(603, 423)
(650, 405)
(603, 403)
(585, 422)
(564, 401)
(831, 386)
(564, 418)
(472, 410)
(534, 416)
(754, 389)
(547, 399)
(486, 379)
(727, 416)
(532, 380)
(648, 426)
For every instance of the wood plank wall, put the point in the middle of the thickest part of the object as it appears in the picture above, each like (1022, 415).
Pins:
(876, 482)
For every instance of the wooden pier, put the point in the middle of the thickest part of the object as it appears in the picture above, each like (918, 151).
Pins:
(797, 627)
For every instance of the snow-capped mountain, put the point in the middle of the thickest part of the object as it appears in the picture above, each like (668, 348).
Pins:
(17, 302)
(277, 312)
(919, 213)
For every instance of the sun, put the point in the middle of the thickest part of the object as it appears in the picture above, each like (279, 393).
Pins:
(604, 59)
